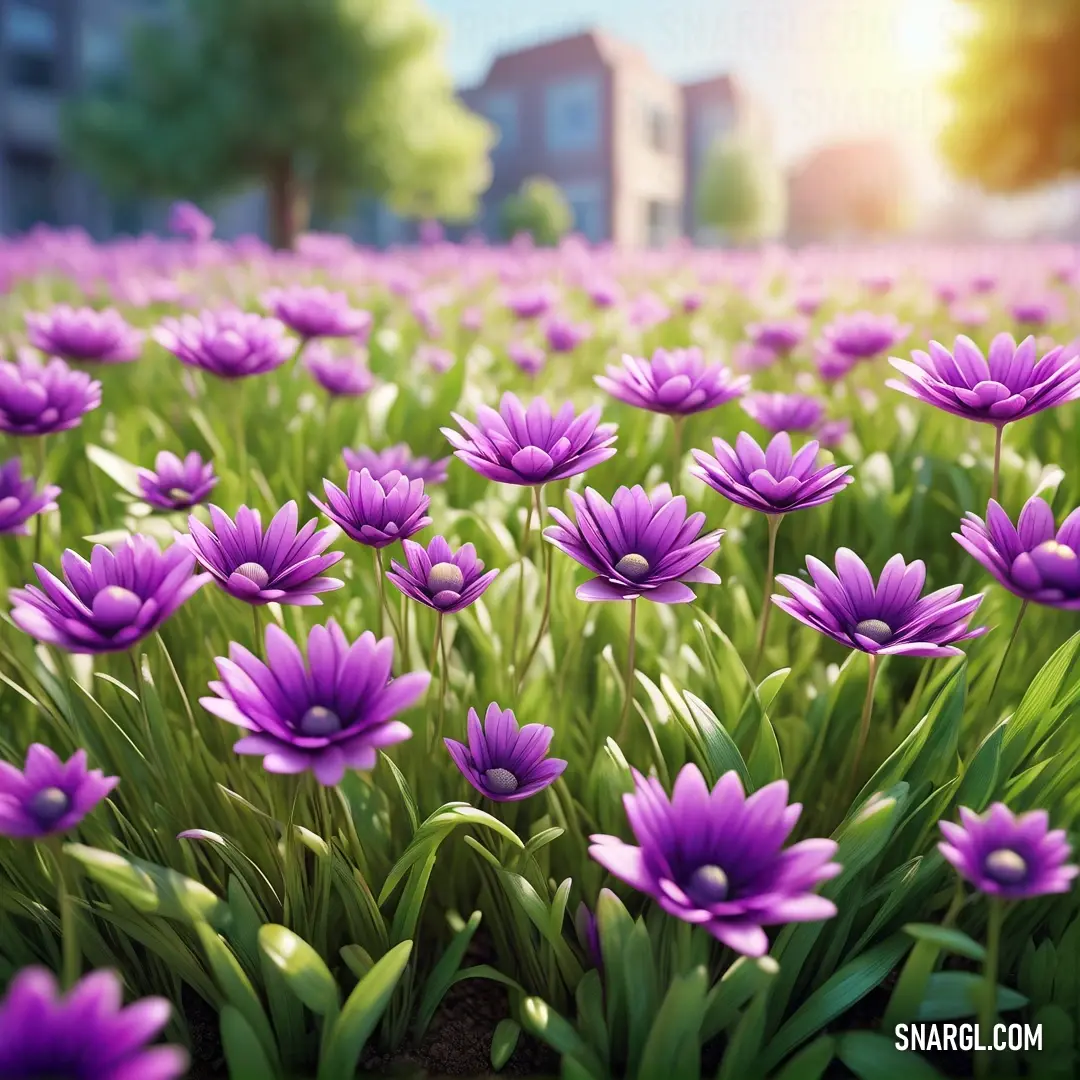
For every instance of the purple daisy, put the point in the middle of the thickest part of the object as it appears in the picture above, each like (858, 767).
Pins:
(228, 344)
(175, 484)
(862, 335)
(531, 446)
(677, 383)
(784, 412)
(891, 619)
(438, 578)
(747, 356)
(39, 398)
(339, 375)
(376, 513)
(564, 336)
(281, 565)
(1011, 856)
(19, 501)
(528, 357)
(111, 602)
(328, 714)
(588, 933)
(84, 334)
(717, 859)
(85, 1034)
(188, 221)
(314, 312)
(1033, 559)
(639, 545)
(49, 796)
(1006, 385)
(772, 481)
(779, 336)
(505, 763)
(531, 302)
(397, 458)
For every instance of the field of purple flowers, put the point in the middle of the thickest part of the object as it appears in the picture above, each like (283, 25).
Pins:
(547, 661)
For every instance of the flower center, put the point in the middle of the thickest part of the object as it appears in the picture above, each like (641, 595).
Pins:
(501, 781)
(1005, 866)
(255, 573)
(709, 884)
(319, 720)
(875, 630)
(1057, 550)
(114, 606)
(633, 567)
(446, 577)
(49, 805)
(177, 494)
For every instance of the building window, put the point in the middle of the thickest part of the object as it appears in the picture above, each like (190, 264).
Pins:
(31, 190)
(586, 199)
(30, 41)
(661, 222)
(572, 115)
(502, 111)
(659, 129)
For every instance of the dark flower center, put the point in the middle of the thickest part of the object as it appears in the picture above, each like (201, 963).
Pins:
(49, 805)
(255, 573)
(633, 567)
(1005, 866)
(319, 720)
(501, 781)
(875, 630)
(446, 577)
(709, 884)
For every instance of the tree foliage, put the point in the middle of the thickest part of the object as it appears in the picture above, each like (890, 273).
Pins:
(539, 209)
(320, 98)
(1016, 95)
(741, 191)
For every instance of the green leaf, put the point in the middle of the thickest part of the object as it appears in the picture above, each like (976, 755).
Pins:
(542, 839)
(440, 979)
(811, 1062)
(745, 978)
(504, 1042)
(954, 994)
(947, 938)
(122, 472)
(980, 778)
(361, 1013)
(676, 1028)
(641, 991)
(302, 969)
(357, 960)
(743, 1055)
(765, 765)
(544, 1023)
(875, 1057)
(244, 1053)
(721, 753)
(150, 888)
(404, 790)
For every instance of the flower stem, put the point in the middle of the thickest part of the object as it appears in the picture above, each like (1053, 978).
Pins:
(69, 941)
(382, 592)
(864, 724)
(766, 597)
(1008, 649)
(988, 1002)
(290, 845)
(999, 433)
(257, 626)
(520, 605)
(39, 518)
(406, 643)
(443, 678)
(136, 675)
(546, 613)
(677, 444)
(629, 670)
(241, 434)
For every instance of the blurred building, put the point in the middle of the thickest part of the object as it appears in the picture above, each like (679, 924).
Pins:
(849, 191)
(623, 142)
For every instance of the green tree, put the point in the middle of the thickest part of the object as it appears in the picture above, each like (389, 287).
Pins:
(740, 192)
(539, 209)
(1016, 95)
(318, 100)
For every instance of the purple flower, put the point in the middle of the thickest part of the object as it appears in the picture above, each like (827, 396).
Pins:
(280, 565)
(564, 336)
(327, 715)
(435, 357)
(1007, 384)
(531, 446)
(85, 1034)
(639, 545)
(891, 619)
(174, 484)
(984, 283)
(379, 512)
(678, 382)
(229, 344)
(503, 762)
(397, 458)
(832, 432)
(528, 357)
(604, 294)
(1033, 312)
(111, 602)
(746, 356)
(862, 335)
(438, 578)
(49, 796)
(471, 320)
(84, 334)
(1012, 856)
(188, 221)
(778, 335)
(647, 311)
(784, 412)
(39, 398)
(19, 501)
(771, 481)
(716, 859)
(339, 375)
(833, 365)
(531, 302)
(588, 934)
(314, 312)
(1032, 559)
